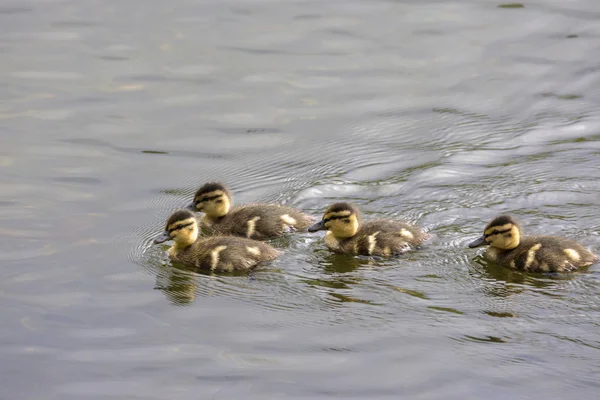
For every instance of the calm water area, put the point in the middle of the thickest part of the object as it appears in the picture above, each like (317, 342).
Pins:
(442, 113)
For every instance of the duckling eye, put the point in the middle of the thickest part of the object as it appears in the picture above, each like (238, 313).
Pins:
(346, 221)
(219, 201)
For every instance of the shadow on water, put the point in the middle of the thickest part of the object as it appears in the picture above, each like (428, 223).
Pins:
(178, 285)
(337, 276)
(181, 285)
(508, 282)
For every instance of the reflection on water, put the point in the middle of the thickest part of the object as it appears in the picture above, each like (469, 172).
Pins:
(179, 286)
(444, 114)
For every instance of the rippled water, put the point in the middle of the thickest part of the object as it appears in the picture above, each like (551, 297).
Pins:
(441, 113)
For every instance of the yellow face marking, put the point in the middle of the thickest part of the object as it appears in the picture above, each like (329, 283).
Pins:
(505, 237)
(214, 256)
(531, 255)
(183, 235)
(214, 204)
(343, 227)
(253, 250)
(288, 220)
(572, 254)
(406, 233)
(337, 214)
(252, 226)
(372, 239)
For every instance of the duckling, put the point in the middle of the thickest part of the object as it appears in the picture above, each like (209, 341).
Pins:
(509, 248)
(254, 221)
(217, 253)
(346, 233)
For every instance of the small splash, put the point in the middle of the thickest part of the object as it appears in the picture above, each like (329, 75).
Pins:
(326, 283)
(176, 192)
(154, 152)
(349, 299)
(511, 5)
(411, 292)
(567, 96)
(500, 314)
(446, 309)
(489, 339)
(429, 276)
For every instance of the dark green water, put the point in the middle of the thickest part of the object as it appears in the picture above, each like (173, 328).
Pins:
(441, 113)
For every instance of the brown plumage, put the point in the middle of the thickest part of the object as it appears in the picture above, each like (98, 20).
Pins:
(346, 234)
(255, 221)
(218, 253)
(509, 248)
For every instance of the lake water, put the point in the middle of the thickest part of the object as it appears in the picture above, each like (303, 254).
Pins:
(443, 113)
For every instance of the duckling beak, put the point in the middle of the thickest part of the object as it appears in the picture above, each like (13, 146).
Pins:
(163, 237)
(319, 226)
(478, 242)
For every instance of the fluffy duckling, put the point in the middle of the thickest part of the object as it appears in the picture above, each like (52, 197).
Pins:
(254, 221)
(218, 253)
(346, 233)
(509, 248)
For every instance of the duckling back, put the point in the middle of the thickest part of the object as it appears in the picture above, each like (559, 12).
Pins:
(544, 254)
(224, 253)
(259, 221)
(379, 238)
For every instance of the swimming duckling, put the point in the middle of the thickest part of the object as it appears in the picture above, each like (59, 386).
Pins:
(531, 253)
(217, 253)
(346, 233)
(255, 221)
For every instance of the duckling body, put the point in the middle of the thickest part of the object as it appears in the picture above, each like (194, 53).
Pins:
(508, 248)
(346, 234)
(218, 253)
(223, 253)
(255, 221)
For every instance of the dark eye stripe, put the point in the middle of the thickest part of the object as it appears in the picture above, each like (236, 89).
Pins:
(336, 217)
(179, 227)
(497, 232)
(209, 198)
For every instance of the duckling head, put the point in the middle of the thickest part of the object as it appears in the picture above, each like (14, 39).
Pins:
(181, 227)
(213, 199)
(341, 219)
(503, 232)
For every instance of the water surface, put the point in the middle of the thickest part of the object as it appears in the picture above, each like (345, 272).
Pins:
(441, 113)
